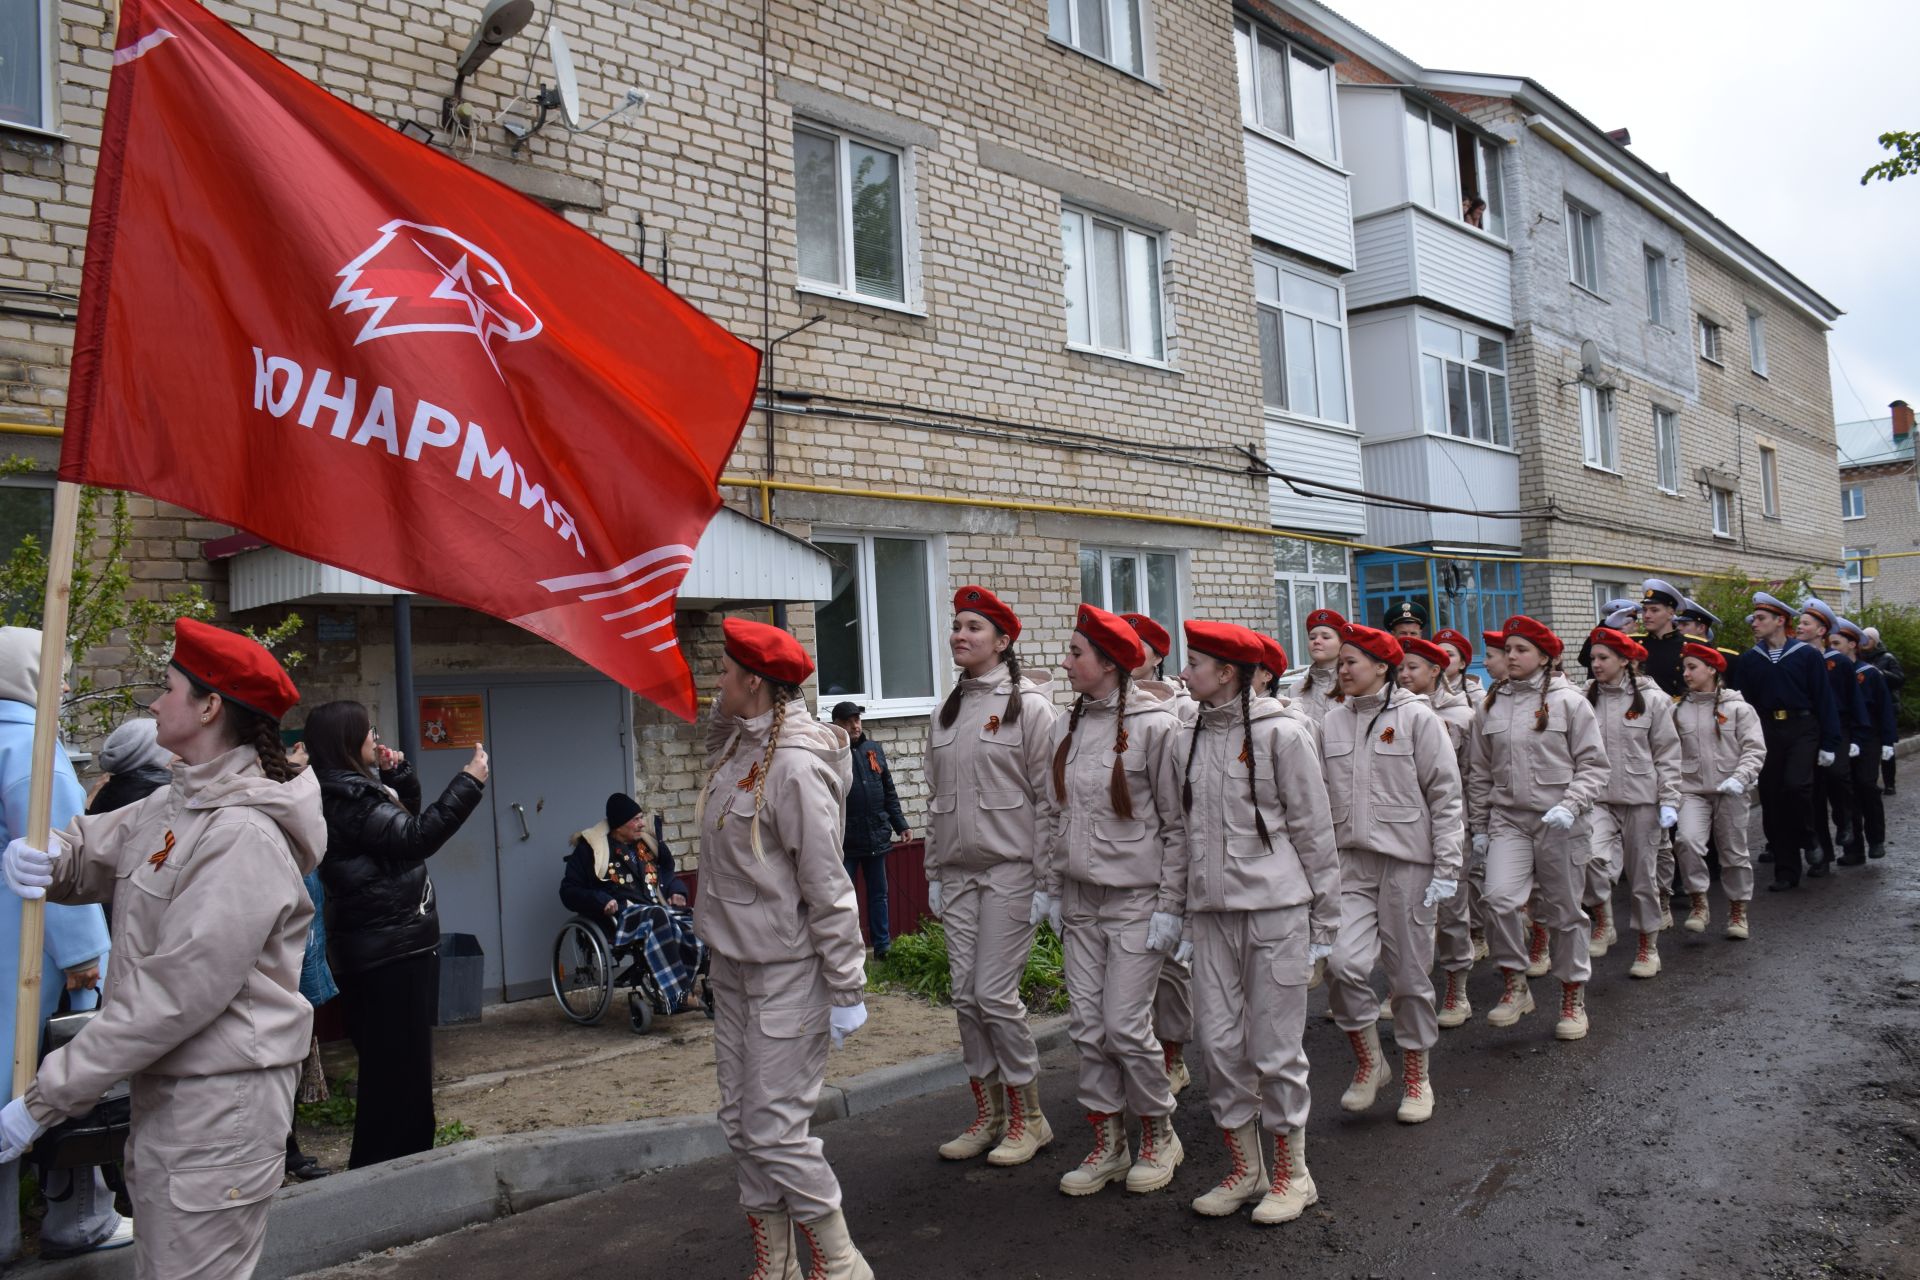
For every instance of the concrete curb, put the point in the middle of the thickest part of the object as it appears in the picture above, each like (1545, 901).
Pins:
(325, 1223)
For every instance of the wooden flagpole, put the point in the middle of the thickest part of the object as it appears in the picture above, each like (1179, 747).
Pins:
(46, 741)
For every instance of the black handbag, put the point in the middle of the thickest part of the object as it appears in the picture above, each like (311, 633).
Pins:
(99, 1136)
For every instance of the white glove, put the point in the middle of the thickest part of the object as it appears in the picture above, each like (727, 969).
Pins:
(1183, 954)
(17, 1129)
(1886, 753)
(1669, 816)
(1853, 751)
(1481, 843)
(1318, 951)
(933, 898)
(1560, 818)
(1732, 787)
(1439, 890)
(1824, 759)
(1043, 908)
(1163, 932)
(845, 1020)
(28, 870)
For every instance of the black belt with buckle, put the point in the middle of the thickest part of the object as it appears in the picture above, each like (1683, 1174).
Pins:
(1786, 714)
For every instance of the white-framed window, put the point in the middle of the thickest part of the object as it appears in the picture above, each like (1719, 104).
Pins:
(1666, 448)
(1857, 565)
(1433, 166)
(1756, 342)
(1132, 580)
(1720, 501)
(1599, 433)
(1114, 300)
(27, 29)
(1853, 503)
(1607, 591)
(1283, 89)
(1709, 340)
(853, 200)
(1483, 188)
(1303, 341)
(1113, 31)
(877, 637)
(1463, 383)
(1656, 287)
(1583, 246)
(1307, 576)
(1769, 482)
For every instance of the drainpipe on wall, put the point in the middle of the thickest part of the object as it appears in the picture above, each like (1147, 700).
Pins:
(409, 717)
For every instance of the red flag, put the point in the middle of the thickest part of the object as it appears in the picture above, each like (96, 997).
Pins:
(300, 322)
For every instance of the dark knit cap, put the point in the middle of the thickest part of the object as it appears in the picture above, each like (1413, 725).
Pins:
(621, 809)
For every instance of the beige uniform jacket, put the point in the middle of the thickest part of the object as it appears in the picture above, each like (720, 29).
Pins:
(1644, 751)
(1231, 869)
(1515, 767)
(1173, 696)
(209, 930)
(1318, 692)
(1093, 844)
(1457, 711)
(1393, 781)
(794, 901)
(1468, 686)
(992, 801)
(1707, 759)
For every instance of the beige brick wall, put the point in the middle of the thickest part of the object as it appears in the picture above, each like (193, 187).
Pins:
(1890, 525)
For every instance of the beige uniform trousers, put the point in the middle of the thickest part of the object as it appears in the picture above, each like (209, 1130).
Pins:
(1250, 971)
(1626, 840)
(1525, 854)
(770, 1030)
(1384, 920)
(988, 941)
(1724, 819)
(205, 1156)
(1458, 917)
(1110, 984)
(1173, 1003)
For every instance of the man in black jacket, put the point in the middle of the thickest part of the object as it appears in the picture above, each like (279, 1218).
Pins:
(874, 821)
(1895, 675)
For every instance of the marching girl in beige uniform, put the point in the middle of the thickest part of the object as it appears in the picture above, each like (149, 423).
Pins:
(1721, 754)
(1319, 689)
(1263, 903)
(1116, 878)
(1423, 673)
(202, 1009)
(1537, 765)
(1641, 798)
(1459, 651)
(777, 912)
(991, 746)
(1393, 784)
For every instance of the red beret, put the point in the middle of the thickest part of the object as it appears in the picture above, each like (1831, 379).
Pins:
(989, 606)
(1152, 632)
(1620, 642)
(1276, 656)
(1225, 641)
(1326, 618)
(1447, 635)
(766, 651)
(1494, 639)
(1706, 653)
(1373, 642)
(1415, 647)
(238, 669)
(1111, 636)
(1537, 634)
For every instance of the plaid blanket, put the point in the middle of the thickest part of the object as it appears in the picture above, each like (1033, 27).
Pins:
(673, 955)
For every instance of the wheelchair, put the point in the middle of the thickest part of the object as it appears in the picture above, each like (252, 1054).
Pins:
(587, 967)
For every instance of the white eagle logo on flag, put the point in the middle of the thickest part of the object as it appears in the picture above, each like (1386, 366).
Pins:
(421, 279)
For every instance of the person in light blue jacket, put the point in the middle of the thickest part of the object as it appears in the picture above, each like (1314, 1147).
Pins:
(80, 1213)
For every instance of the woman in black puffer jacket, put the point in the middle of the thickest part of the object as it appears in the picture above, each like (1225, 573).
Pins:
(382, 926)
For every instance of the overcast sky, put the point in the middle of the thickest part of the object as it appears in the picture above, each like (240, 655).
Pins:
(1765, 112)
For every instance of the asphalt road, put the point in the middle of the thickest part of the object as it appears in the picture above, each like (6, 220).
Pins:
(1752, 1111)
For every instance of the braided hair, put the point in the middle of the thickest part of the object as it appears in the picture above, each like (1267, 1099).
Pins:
(1393, 683)
(249, 728)
(1638, 706)
(1245, 672)
(950, 709)
(1118, 794)
(782, 695)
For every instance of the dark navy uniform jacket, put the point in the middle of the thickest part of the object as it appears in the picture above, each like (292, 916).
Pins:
(1795, 685)
(1882, 727)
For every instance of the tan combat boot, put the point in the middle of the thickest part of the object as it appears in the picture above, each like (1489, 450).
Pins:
(1246, 1178)
(989, 1121)
(1455, 1008)
(1603, 935)
(1515, 1000)
(1480, 948)
(1699, 914)
(1646, 961)
(1666, 911)
(1573, 1012)
(1370, 1070)
(834, 1257)
(1107, 1161)
(1416, 1096)
(1160, 1154)
(1027, 1127)
(1292, 1190)
(773, 1251)
(1178, 1077)
(1539, 951)
(1737, 920)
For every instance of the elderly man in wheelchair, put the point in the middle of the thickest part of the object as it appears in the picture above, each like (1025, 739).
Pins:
(632, 925)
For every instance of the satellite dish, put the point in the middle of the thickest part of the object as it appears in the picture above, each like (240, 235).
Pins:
(566, 80)
(1590, 368)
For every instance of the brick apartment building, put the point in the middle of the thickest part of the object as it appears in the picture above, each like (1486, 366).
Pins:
(1880, 507)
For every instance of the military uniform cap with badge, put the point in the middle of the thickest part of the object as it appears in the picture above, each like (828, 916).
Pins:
(1405, 617)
